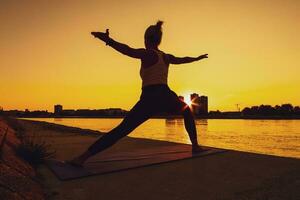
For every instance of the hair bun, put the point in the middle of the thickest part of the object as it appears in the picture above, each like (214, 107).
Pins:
(159, 24)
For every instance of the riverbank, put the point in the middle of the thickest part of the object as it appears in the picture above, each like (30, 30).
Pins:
(213, 116)
(230, 175)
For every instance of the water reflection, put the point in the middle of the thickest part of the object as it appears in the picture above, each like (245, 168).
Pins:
(201, 122)
(174, 128)
(170, 122)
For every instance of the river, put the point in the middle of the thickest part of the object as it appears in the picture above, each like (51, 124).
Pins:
(272, 137)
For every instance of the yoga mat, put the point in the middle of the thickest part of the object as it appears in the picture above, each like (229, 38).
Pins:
(104, 163)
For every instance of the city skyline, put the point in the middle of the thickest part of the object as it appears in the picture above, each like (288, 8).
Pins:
(48, 55)
(189, 99)
(198, 106)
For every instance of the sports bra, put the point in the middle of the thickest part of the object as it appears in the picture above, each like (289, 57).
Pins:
(155, 74)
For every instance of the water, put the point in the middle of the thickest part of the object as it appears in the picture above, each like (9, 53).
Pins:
(273, 137)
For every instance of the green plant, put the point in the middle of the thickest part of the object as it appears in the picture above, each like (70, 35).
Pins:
(33, 152)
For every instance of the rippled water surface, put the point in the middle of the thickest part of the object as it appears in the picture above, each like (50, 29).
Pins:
(274, 137)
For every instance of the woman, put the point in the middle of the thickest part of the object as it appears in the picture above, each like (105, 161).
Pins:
(156, 95)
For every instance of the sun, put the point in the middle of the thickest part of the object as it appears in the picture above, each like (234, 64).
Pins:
(187, 100)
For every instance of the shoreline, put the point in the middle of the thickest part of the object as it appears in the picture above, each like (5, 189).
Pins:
(63, 128)
(169, 118)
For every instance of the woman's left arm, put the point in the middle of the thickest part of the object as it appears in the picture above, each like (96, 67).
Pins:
(120, 47)
(183, 60)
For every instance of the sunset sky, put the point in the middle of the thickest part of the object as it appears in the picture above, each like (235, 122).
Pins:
(47, 55)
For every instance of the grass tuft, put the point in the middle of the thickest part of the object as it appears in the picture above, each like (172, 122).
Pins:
(35, 153)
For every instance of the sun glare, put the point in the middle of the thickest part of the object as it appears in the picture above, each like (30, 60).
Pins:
(187, 100)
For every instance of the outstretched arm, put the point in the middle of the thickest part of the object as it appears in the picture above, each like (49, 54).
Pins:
(122, 48)
(183, 60)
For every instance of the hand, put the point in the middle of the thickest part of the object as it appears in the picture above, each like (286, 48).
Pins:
(203, 56)
(101, 35)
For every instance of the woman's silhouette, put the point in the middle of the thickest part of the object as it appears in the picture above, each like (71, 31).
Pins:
(156, 95)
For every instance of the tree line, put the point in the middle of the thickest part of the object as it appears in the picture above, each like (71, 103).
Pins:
(268, 110)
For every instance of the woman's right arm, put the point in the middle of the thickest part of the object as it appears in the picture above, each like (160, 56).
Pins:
(120, 47)
(183, 60)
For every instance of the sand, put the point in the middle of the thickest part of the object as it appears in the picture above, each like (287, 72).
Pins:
(230, 175)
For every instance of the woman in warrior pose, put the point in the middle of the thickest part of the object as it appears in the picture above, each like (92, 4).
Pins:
(156, 96)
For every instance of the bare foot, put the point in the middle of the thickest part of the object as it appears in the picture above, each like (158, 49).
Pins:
(197, 149)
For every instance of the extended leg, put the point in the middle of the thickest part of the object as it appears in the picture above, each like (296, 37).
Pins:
(137, 115)
(130, 122)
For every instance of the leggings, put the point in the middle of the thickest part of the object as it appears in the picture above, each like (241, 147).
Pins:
(154, 99)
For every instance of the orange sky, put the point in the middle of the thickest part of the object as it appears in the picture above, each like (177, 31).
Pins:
(48, 56)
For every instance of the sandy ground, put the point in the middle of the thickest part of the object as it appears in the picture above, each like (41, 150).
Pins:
(230, 175)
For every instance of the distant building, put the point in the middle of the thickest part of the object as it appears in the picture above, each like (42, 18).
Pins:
(58, 109)
(195, 103)
(199, 104)
(114, 111)
(68, 112)
(203, 108)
